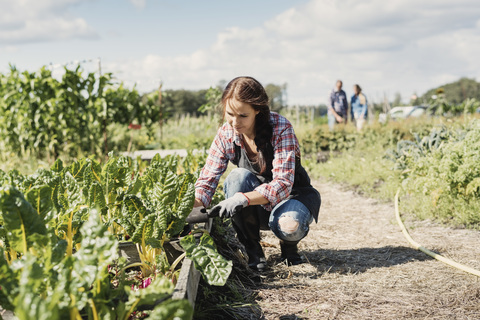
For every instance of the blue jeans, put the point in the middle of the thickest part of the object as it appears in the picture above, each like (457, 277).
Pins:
(242, 180)
(331, 121)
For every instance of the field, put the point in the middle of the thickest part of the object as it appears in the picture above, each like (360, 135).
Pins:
(360, 266)
(60, 230)
(433, 161)
(65, 205)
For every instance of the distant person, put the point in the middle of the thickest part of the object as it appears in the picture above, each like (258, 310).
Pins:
(338, 106)
(359, 107)
(269, 189)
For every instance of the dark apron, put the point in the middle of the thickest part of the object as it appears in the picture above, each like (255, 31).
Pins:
(302, 189)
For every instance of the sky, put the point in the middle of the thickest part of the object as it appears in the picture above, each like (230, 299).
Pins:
(387, 47)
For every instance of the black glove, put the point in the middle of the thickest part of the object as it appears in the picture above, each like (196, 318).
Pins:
(229, 207)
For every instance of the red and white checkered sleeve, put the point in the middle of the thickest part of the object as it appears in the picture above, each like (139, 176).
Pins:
(215, 166)
(285, 147)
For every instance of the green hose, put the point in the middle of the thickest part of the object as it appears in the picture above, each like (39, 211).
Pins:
(423, 249)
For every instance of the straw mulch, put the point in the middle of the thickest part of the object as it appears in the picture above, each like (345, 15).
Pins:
(359, 266)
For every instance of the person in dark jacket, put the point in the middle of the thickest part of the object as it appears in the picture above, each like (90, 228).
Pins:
(269, 189)
(338, 106)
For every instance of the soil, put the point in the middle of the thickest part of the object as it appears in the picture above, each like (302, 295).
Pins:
(360, 266)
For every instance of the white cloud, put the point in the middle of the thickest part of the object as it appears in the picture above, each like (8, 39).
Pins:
(8, 49)
(139, 4)
(29, 21)
(393, 46)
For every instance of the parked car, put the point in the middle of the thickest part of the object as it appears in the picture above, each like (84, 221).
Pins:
(407, 112)
(403, 113)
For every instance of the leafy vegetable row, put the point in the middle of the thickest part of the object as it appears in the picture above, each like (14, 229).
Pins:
(60, 228)
(440, 171)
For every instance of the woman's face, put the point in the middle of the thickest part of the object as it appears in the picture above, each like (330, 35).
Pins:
(355, 90)
(241, 116)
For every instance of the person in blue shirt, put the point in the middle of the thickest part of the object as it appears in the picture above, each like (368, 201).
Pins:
(359, 107)
(338, 106)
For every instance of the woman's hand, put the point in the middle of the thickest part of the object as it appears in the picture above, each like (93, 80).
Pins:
(229, 207)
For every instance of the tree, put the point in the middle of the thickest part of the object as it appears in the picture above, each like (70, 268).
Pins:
(213, 97)
(277, 95)
(398, 99)
(456, 92)
(183, 101)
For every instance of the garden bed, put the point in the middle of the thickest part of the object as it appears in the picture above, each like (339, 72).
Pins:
(189, 277)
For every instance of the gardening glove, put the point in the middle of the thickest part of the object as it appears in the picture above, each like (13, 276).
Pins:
(229, 207)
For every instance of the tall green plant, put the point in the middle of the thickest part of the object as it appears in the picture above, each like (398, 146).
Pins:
(46, 116)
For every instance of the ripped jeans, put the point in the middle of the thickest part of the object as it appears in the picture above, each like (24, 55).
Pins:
(289, 220)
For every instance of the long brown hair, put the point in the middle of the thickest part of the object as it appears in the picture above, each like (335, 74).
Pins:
(358, 88)
(250, 91)
(360, 95)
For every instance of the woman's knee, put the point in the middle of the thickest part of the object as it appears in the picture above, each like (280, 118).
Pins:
(240, 180)
(238, 174)
(291, 221)
(288, 224)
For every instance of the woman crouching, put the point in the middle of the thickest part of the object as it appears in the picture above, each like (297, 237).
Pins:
(270, 189)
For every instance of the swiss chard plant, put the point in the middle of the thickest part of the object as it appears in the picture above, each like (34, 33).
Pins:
(46, 283)
(60, 228)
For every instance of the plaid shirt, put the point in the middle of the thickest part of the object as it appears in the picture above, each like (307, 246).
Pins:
(285, 148)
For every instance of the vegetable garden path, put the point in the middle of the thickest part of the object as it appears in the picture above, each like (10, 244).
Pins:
(360, 266)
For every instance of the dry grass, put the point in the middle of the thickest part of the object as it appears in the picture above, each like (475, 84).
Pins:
(361, 267)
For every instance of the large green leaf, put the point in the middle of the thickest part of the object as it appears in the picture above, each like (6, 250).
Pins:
(134, 183)
(56, 186)
(20, 219)
(115, 173)
(98, 249)
(48, 178)
(3, 178)
(92, 172)
(70, 194)
(161, 223)
(156, 161)
(96, 197)
(40, 197)
(9, 281)
(145, 229)
(171, 162)
(173, 310)
(214, 268)
(15, 178)
(57, 166)
(183, 204)
(168, 187)
(30, 302)
(133, 211)
(77, 168)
